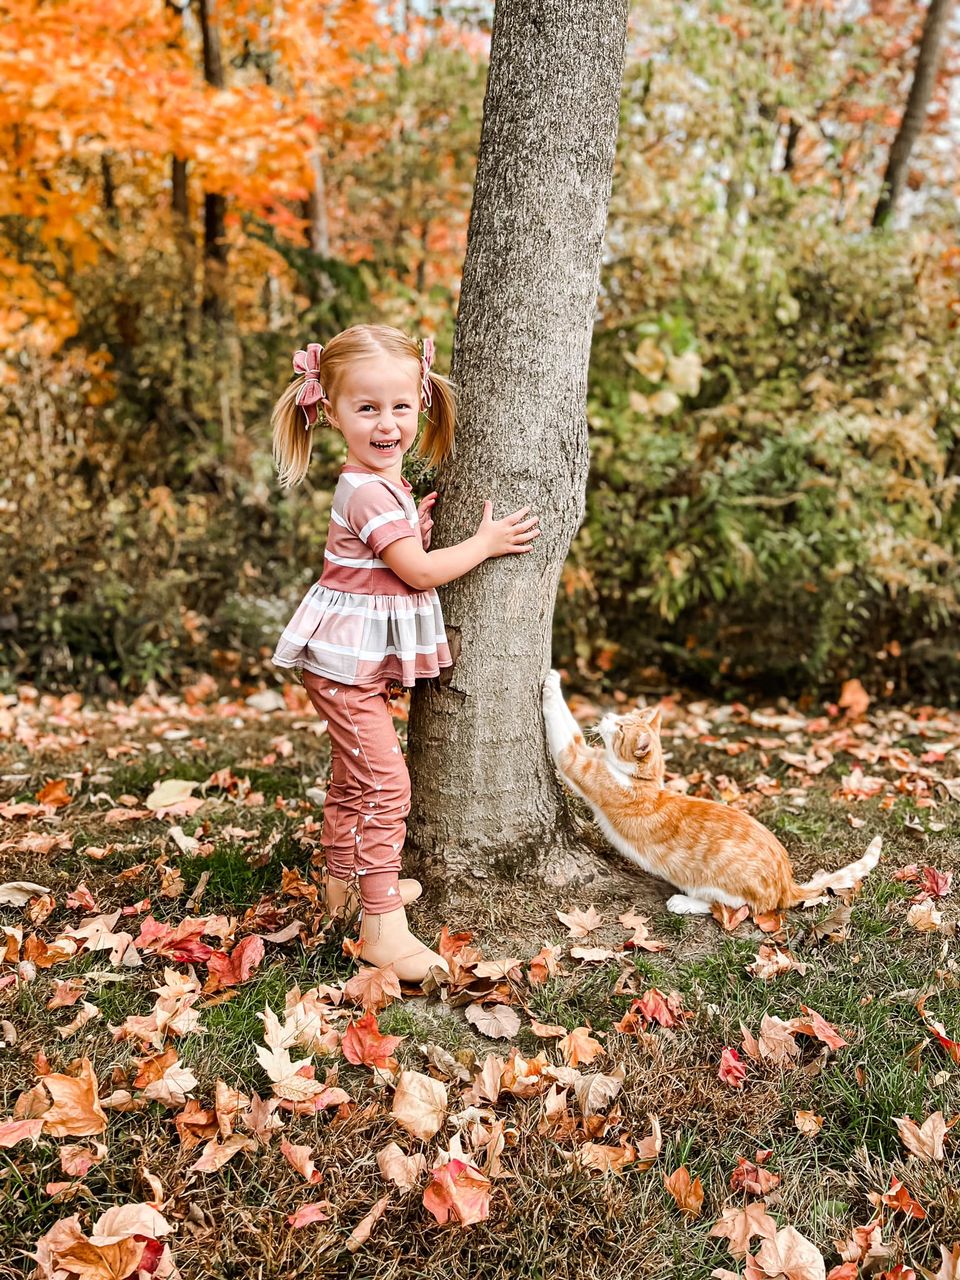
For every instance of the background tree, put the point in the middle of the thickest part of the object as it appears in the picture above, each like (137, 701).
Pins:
(921, 88)
(484, 787)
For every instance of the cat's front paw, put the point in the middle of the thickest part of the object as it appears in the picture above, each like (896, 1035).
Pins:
(681, 904)
(551, 686)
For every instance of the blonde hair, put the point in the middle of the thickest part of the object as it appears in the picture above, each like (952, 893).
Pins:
(292, 441)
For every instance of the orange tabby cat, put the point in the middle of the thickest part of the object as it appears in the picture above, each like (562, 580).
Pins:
(709, 851)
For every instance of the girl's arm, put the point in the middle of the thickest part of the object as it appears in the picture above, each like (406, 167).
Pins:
(511, 535)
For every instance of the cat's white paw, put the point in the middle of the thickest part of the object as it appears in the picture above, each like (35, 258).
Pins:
(551, 686)
(680, 905)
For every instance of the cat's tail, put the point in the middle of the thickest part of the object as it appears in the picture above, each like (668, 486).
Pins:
(845, 878)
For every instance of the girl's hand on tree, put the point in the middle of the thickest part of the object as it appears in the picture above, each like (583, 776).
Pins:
(509, 536)
(425, 512)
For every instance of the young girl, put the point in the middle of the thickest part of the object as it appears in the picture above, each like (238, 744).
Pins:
(374, 618)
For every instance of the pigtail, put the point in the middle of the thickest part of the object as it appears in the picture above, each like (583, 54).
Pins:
(291, 440)
(436, 442)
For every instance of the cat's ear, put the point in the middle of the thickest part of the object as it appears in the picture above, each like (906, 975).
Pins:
(641, 746)
(654, 720)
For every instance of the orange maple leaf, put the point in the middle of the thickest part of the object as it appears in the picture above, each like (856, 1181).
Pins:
(364, 1045)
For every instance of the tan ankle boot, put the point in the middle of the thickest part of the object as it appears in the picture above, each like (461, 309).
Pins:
(343, 899)
(387, 940)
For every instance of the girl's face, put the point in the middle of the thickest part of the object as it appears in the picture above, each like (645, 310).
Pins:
(375, 408)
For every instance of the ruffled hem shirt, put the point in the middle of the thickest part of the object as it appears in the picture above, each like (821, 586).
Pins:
(361, 623)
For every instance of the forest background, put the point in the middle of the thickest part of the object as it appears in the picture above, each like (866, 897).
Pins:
(189, 193)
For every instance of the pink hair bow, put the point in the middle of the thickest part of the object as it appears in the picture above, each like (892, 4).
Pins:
(311, 393)
(426, 386)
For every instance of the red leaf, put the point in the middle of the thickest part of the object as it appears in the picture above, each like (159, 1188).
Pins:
(934, 884)
(363, 1044)
(730, 918)
(749, 1177)
(459, 1190)
(308, 1213)
(814, 1025)
(939, 1032)
(230, 970)
(656, 1007)
(899, 1199)
(732, 1071)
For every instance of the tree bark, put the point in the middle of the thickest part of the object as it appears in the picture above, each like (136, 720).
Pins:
(486, 796)
(317, 207)
(924, 76)
(214, 204)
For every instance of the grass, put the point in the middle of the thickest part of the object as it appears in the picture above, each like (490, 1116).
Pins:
(549, 1220)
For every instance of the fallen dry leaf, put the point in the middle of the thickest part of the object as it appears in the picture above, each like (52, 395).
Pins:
(899, 1199)
(373, 989)
(14, 1131)
(688, 1194)
(496, 969)
(230, 970)
(729, 918)
(76, 1110)
(419, 1104)
(173, 1087)
(808, 1123)
(834, 927)
(749, 1177)
(402, 1170)
(363, 1044)
(927, 1140)
(732, 1071)
(55, 794)
(641, 939)
(499, 1022)
(777, 1042)
(547, 1031)
(814, 1025)
(789, 1254)
(86, 1013)
(939, 1032)
(580, 923)
(170, 793)
(76, 1160)
(307, 1213)
(854, 699)
(605, 1159)
(17, 893)
(579, 1046)
(770, 962)
(949, 1266)
(458, 1190)
(739, 1226)
(216, 1154)
(361, 1232)
(595, 1092)
(592, 955)
(934, 883)
(925, 917)
(301, 1159)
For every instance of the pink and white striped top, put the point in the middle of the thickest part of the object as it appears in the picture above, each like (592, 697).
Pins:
(361, 623)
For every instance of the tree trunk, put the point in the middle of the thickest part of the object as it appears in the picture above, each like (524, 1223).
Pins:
(108, 186)
(485, 793)
(317, 207)
(924, 76)
(214, 204)
(180, 202)
(180, 194)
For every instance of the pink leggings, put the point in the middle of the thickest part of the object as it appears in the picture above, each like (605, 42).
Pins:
(364, 816)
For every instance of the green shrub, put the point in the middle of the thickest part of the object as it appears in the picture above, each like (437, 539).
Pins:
(794, 519)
